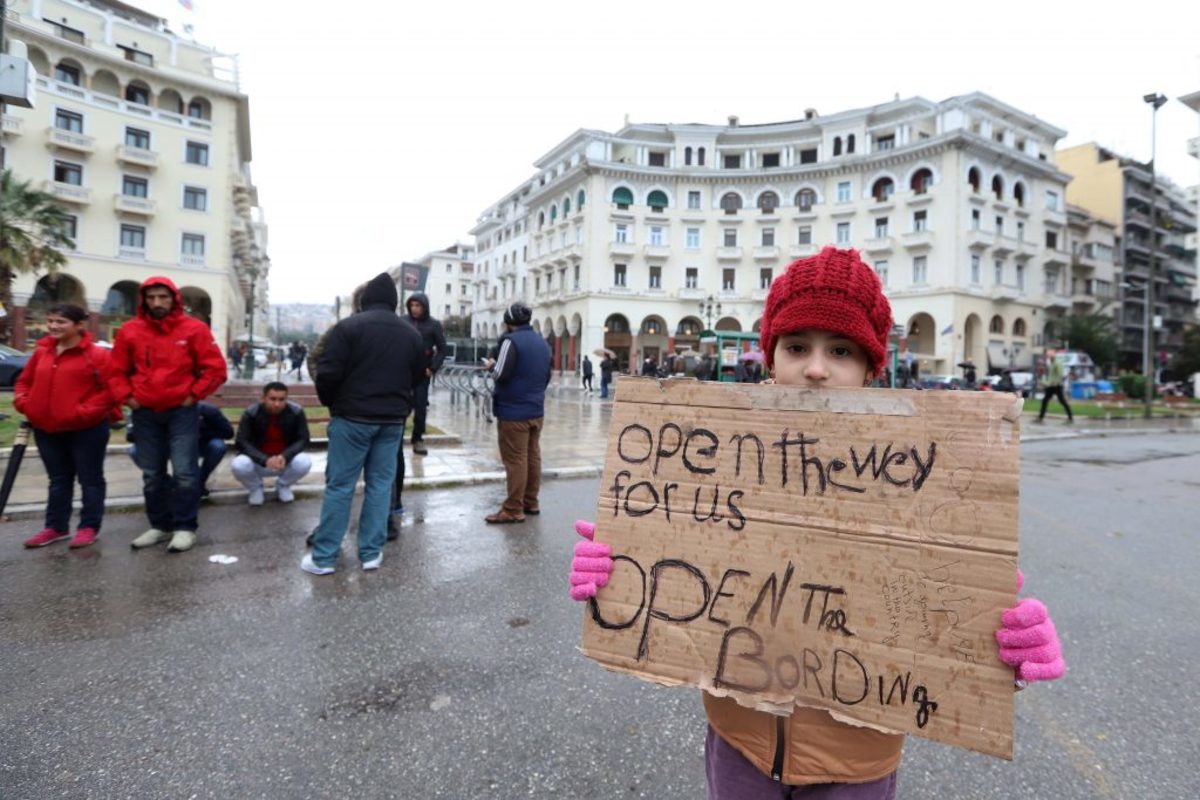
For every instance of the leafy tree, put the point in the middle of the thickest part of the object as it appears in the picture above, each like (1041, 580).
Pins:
(1094, 334)
(32, 227)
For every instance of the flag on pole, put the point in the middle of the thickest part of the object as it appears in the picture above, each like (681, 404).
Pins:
(949, 329)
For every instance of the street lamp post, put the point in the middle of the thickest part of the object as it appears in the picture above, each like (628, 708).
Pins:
(248, 373)
(1156, 101)
(707, 307)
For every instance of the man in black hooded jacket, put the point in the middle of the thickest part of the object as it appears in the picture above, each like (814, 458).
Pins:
(365, 376)
(433, 338)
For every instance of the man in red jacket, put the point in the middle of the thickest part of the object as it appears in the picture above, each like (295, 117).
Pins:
(163, 362)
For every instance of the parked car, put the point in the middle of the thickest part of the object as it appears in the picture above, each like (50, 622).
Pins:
(1024, 383)
(941, 382)
(12, 361)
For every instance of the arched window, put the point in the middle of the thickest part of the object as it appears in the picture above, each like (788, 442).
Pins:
(882, 189)
(657, 200)
(973, 179)
(622, 197)
(1019, 328)
(687, 156)
(138, 92)
(566, 206)
(850, 144)
(68, 71)
(805, 199)
(837, 145)
(700, 156)
(1019, 194)
(998, 187)
(541, 219)
(997, 324)
(768, 202)
(553, 214)
(616, 324)
(731, 202)
(922, 179)
(579, 198)
(199, 109)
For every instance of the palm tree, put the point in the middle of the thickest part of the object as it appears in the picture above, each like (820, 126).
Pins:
(32, 226)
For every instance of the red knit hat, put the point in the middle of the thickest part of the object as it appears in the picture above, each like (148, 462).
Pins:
(831, 291)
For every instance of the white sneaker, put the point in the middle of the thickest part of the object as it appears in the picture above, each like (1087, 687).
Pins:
(373, 563)
(284, 493)
(182, 541)
(256, 497)
(149, 539)
(308, 565)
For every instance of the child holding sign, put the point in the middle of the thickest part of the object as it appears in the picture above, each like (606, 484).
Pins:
(825, 324)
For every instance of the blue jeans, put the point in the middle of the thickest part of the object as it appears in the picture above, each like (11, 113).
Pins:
(356, 447)
(172, 500)
(69, 455)
(211, 453)
(603, 388)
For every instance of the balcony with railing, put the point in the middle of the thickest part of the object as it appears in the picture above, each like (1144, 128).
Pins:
(11, 125)
(766, 252)
(129, 204)
(802, 250)
(137, 156)
(68, 192)
(918, 240)
(656, 252)
(622, 249)
(729, 254)
(69, 140)
(878, 244)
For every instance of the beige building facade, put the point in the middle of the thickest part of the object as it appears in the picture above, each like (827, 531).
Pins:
(449, 282)
(1154, 221)
(641, 239)
(146, 141)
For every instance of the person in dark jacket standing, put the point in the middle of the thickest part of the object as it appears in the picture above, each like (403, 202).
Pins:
(366, 376)
(433, 341)
(522, 372)
(607, 367)
(271, 436)
(587, 375)
(164, 362)
(63, 392)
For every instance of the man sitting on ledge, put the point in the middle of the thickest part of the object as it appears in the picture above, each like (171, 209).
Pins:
(271, 436)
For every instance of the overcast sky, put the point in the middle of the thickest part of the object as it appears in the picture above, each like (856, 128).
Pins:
(382, 130)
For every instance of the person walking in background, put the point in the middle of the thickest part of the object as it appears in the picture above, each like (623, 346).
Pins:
(164, 362)
(433, 341)
(272, 435)
(235, 356)
(366, 376)
(607, 367)
(1054, 387)
(587, 375)
(522, 373)
(213, 431)
(63, 392)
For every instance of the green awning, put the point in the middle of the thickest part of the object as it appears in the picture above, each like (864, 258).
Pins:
(623, 197)
(657, 199)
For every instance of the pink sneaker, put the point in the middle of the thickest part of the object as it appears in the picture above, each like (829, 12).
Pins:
(45, 537)
(84, 537)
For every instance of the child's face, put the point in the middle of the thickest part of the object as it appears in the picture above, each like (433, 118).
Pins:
(815, 359)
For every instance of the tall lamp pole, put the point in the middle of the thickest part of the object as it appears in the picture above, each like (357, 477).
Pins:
(707, 307)
(253, 270)
(1156, 101)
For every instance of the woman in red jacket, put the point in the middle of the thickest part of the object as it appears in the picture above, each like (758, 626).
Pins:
(63, 392)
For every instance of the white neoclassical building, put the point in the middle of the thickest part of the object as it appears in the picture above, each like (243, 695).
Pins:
(145, 137)
(638, 240)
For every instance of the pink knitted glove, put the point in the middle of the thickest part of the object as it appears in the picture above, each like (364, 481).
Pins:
(1028, 641)
(592, 565)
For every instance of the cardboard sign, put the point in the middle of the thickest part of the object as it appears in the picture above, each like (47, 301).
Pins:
(845, 549)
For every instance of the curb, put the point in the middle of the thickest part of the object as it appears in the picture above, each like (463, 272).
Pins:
(228, 497)
(320, 443)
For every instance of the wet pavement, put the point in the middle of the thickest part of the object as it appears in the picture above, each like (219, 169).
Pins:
(453, 670)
